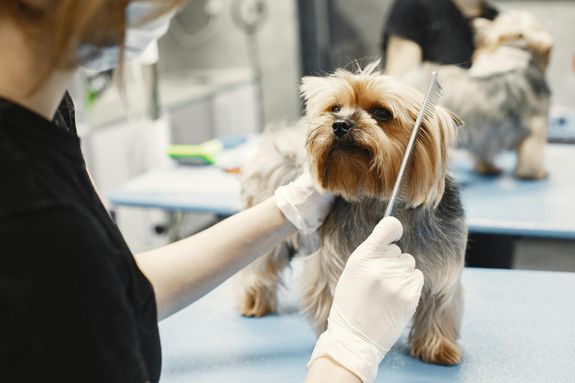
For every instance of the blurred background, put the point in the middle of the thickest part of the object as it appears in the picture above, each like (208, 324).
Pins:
(229, 67)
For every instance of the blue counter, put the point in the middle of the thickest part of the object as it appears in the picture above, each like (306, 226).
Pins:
(518, 327)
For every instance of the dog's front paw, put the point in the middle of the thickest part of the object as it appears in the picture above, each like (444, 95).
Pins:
(444, 352)
(531, 173)
(486, 168)
(257, 302)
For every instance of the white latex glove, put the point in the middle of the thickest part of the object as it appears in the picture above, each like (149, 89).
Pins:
(303, 204)
(375, 298)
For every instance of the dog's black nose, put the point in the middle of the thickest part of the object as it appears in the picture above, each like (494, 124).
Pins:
(341, 127)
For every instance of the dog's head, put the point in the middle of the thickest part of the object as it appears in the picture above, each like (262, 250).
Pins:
(360, 124)
(514, 28)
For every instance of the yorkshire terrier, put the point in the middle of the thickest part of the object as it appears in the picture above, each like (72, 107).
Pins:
(504, 98)
(352, 141)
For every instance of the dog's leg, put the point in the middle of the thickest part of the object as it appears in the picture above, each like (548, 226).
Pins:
(486, 167)
(259, 282)
(320, 277)
(436, 325)
(530, 151)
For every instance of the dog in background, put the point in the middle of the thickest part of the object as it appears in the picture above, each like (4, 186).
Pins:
(352, 141)
(504, 98)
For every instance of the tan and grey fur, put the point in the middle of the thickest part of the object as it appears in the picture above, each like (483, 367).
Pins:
(360, 170)
(502, 111)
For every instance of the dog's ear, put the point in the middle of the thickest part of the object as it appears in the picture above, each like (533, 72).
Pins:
(540, 42)
(312, 86)
(313, 89)
(428, 170)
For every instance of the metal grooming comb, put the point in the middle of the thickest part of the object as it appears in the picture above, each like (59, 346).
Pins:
(427, 108)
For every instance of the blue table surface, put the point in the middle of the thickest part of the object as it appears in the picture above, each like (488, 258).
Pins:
(518, 326)
(198, 189)
(502, 204)
(506, 205)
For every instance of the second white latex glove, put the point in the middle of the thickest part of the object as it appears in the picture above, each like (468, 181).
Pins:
(375, 298)
(303, 203)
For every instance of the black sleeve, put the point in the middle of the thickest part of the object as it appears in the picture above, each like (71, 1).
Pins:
(407, 19)
(64, 312)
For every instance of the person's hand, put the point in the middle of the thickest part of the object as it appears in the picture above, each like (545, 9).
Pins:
(303, 204)
(375, 298)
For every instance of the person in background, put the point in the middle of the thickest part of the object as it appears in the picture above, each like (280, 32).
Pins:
(75, 304)
(437, 31)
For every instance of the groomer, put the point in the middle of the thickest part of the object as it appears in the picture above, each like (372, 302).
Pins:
(438, 31)
(75, 304)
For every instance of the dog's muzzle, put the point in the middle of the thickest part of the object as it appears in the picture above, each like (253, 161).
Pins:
(341, 128)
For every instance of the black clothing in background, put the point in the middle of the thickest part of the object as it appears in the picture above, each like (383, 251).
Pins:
(74, 307)
(437, 26)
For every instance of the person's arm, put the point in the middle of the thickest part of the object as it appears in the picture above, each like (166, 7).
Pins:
(402, 56)
(405, 36)
(184, 271)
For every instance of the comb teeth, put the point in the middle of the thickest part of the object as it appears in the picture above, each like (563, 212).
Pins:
(433, 95)
(427, 109)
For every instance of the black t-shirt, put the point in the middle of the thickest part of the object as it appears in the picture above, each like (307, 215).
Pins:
(438, 27)
(74, 307)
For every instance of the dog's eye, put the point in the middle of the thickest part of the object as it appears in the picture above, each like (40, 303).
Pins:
(381, 114)
(336, 109)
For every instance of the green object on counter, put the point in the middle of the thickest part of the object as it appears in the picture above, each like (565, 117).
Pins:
(204, 153)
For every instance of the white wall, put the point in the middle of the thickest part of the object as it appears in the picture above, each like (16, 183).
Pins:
(226, 47)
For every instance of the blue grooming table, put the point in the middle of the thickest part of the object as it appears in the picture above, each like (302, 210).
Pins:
(495, 205)
(506, 205)
(195, 189)
(518, 326)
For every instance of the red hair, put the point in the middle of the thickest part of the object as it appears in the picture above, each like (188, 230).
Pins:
(71, 23)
